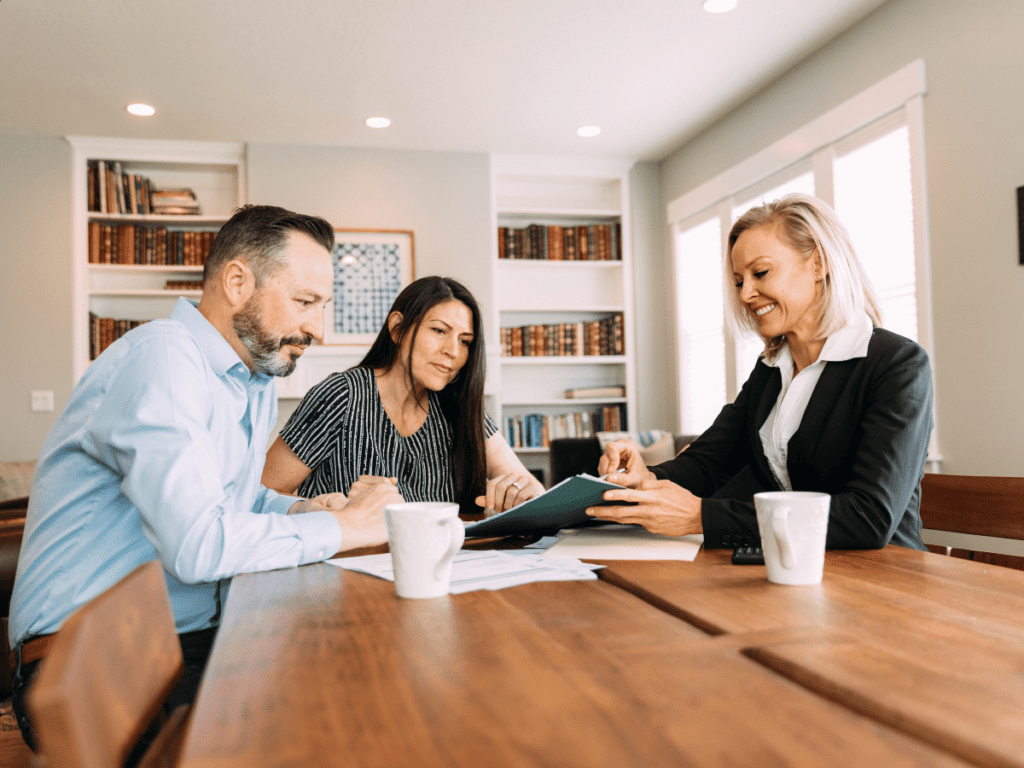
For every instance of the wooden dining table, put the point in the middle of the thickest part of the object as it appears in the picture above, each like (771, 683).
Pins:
(898, 657)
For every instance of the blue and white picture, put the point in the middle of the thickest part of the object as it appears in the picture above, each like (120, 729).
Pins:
(370, 269)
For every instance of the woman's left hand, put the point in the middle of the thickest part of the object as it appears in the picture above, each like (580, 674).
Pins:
(662, 507)
(506, 491)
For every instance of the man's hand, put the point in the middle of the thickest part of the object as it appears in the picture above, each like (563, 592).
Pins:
(623, 465)
(368, 481)
(661, 507)
(362, 518)
(360, 515)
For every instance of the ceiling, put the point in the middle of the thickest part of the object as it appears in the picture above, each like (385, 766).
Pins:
(511, 76)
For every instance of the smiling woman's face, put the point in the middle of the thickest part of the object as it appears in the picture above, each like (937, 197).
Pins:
(781, 289)
(442, 345)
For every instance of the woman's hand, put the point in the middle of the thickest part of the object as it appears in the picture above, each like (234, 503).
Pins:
(623, 465)
(507, 490)
(368, 481)
(662, 507)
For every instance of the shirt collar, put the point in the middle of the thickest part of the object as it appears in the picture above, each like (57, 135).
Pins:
(848, 342)
(218, 352)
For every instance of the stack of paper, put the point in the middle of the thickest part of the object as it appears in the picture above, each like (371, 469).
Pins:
(486, 569)
(623, 542)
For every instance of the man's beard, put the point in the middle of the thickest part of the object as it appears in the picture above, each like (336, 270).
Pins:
(264, 347)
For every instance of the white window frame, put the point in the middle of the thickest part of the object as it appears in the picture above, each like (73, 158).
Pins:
(814, 143)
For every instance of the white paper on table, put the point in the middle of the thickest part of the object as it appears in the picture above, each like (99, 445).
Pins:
(484, 569)
(623, 542)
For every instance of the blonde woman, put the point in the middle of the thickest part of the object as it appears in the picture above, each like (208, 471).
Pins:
(835, 403)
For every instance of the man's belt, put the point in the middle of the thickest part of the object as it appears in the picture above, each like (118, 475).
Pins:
(33, 650)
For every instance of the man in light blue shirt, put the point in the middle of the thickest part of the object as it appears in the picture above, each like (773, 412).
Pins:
(159, 451)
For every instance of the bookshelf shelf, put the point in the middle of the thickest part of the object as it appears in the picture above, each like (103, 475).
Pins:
(566, 402)
(565, 360)
(155, 218)
(122, 294)
(143, 268)
(161, 292)
(560, 194)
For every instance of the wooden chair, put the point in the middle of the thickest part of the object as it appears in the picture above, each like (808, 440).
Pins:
(978, 518)
(110, 667)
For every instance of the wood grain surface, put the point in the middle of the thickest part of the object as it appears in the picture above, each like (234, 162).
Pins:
(930, 645)
(317, 666)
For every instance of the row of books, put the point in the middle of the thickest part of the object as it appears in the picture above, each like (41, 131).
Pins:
(183, 285)
(137, 244)
(537, 430)
(104, 331)
(595, 337)
(557, 242)
(113, 190)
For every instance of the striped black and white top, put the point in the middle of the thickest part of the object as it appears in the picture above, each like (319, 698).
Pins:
(341, 431)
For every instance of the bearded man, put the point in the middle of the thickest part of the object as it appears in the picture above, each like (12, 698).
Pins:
(159, 451)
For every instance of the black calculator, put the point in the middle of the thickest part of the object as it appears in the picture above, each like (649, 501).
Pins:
(747, 556)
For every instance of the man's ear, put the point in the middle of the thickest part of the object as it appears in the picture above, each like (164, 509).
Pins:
(238, 282)
(394, 319)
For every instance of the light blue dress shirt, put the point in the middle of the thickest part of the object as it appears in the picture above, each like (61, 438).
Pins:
(158, 454)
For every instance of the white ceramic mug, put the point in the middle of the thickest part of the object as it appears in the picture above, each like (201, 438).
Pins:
(424, 537)
(793, 526)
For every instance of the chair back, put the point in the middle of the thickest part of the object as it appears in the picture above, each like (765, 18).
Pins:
(974, 513)
(110, 667)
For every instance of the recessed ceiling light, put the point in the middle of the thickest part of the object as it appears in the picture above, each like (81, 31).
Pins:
(378, 122)
(719, 6)
(588, 130)
(142, 110)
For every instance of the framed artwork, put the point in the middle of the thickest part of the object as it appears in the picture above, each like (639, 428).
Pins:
(371, 267)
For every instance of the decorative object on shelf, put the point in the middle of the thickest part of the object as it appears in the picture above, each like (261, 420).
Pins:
(371, 267)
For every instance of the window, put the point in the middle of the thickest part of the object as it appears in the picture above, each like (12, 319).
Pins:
(861, 158)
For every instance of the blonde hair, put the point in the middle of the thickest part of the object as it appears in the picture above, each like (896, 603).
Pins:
(809, 226)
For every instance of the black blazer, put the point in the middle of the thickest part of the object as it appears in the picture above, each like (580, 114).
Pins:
(863, 439)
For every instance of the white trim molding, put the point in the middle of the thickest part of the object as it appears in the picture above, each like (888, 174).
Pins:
(885, 96)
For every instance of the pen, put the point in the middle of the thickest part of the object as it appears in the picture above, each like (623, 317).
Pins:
(616, 472)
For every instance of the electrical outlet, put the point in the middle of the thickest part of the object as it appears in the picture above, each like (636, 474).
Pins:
(42, 400)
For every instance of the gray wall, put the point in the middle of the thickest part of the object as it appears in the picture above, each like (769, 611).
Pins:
(35, 287)
(444, 198)
(974, 121)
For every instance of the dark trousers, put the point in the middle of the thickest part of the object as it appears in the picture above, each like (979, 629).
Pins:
(195, 648)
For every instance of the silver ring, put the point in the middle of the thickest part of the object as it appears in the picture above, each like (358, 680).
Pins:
(517, 486)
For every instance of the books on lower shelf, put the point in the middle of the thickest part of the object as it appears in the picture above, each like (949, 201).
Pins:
(104, 331)
(557, 242)
(595, 337)
(140, 244)
(537, 430)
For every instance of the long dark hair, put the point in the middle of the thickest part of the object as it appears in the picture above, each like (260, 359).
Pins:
(462, 401)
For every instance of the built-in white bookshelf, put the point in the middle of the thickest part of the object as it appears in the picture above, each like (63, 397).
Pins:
(214, 171)
(559, 193)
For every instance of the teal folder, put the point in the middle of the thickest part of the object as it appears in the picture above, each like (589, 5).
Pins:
(563, 506)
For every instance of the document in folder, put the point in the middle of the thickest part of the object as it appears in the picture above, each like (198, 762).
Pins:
(562, 506)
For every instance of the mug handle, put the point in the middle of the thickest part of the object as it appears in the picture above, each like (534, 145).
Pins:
(458, 536)
(781, 531)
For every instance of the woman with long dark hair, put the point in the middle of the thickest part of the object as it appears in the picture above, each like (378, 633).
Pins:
(411, 413)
